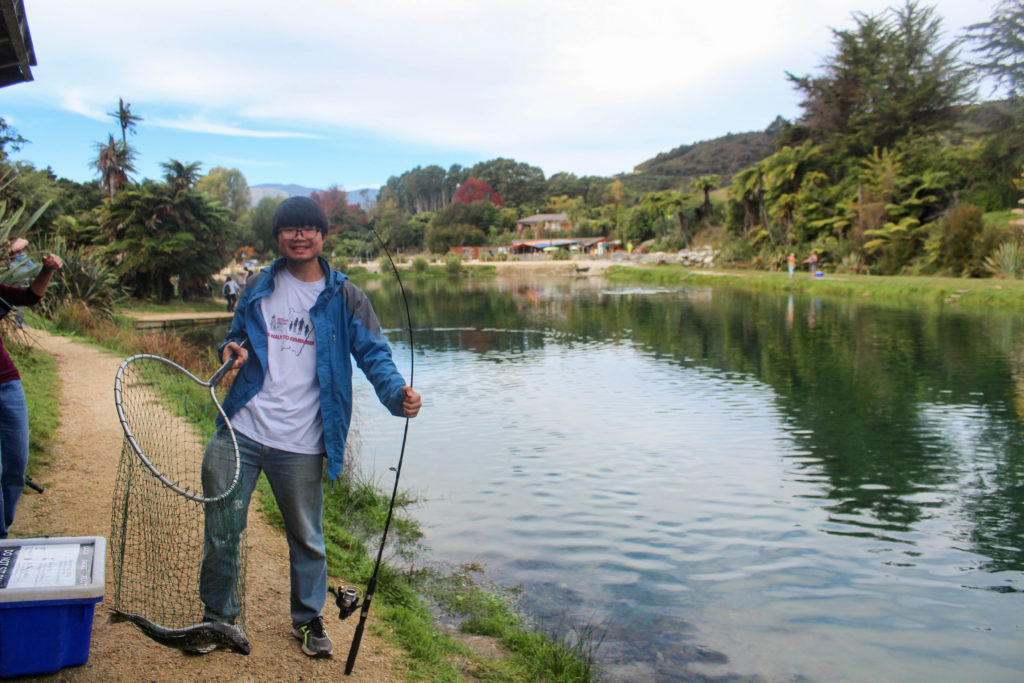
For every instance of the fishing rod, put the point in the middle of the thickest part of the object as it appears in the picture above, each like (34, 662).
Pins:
(347, 599)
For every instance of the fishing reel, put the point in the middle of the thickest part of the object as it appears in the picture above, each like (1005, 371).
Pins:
(347, 599)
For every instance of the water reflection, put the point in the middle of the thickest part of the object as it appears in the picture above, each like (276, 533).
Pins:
(731, 484)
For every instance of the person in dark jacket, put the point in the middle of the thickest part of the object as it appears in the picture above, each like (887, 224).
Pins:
(297, 327)
(13, 409)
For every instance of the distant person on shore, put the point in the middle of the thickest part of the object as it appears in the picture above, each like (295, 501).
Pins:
(791, 263)
(230, 292)
(306, 327)
(13, 409)
(812, 263)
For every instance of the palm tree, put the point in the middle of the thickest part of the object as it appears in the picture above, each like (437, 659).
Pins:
(181, 176)
(782, 210)
(114, 163)
(667, 203)
(705, 184)
(125, 119)
(748, 185)
(787, 167)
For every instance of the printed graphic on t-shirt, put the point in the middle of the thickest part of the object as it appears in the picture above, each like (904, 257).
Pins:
(292, 332)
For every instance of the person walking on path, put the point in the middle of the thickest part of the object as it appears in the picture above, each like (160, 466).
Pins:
(13, 408)
(231, 289)
(297, 328)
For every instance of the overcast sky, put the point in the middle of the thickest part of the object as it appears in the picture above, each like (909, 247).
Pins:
(320, 92)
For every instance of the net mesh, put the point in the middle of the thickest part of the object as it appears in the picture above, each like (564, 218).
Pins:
(157, 533)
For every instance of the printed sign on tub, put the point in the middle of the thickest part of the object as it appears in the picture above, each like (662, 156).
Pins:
(45, 566)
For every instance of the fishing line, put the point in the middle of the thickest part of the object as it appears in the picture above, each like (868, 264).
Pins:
(346, 601)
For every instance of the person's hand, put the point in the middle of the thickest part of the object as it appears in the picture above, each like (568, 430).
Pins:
(52, 262)
(411, 402)
(240, 354)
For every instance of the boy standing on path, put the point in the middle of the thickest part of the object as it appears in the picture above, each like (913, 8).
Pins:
(290, 407)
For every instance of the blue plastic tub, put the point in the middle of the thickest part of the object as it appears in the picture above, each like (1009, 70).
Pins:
(49, 588)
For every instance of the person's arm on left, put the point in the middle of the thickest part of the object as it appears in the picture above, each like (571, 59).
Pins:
(51, 264)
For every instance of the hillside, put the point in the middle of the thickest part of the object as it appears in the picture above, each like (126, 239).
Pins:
(258, 192)
(723, 156)
(364, 197)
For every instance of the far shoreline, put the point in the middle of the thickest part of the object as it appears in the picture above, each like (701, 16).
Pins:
(982, 294)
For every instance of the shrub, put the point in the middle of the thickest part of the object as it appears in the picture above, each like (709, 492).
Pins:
(960, 228)
(441, 238)
(673, 242)
(453, 264)
(852, 262)
(340, 264)
(1007, 261)
(85, 278)
(734, 251)
(420, 265)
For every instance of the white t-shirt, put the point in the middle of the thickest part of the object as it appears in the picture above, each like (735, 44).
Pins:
(285, 414)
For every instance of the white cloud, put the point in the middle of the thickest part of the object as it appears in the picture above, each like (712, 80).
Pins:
(195, 125)
(530, 77)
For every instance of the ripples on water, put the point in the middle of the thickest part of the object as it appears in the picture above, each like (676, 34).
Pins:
(681, 507)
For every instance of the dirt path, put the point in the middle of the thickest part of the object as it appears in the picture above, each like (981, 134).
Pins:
(77, 502)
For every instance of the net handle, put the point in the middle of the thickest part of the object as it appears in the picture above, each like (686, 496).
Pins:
(130, 436)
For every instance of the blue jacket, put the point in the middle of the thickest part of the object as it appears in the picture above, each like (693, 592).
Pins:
(346, 328)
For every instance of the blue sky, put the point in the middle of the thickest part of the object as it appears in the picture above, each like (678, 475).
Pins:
(318, 93)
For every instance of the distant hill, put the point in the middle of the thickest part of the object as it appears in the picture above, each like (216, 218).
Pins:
(258, 192)
(724, 156)
(364, 197)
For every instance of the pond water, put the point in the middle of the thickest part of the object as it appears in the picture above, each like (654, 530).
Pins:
(728, 485)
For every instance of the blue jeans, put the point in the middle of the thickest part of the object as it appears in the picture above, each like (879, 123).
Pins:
(13, 450)
(296, 480)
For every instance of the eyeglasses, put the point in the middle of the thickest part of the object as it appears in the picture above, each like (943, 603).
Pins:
(291, 233)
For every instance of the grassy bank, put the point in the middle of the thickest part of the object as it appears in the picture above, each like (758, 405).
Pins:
(1007, 295)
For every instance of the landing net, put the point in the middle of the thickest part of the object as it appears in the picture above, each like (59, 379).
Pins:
(157, 532)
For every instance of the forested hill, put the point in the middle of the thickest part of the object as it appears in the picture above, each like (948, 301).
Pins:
(722, 156)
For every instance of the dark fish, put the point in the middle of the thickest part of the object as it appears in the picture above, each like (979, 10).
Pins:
(194, 637)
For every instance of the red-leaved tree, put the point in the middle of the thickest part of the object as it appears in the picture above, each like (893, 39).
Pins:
(475, 190)
(334, 202)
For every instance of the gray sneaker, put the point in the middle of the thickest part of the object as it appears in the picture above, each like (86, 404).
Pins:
(315, 641)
